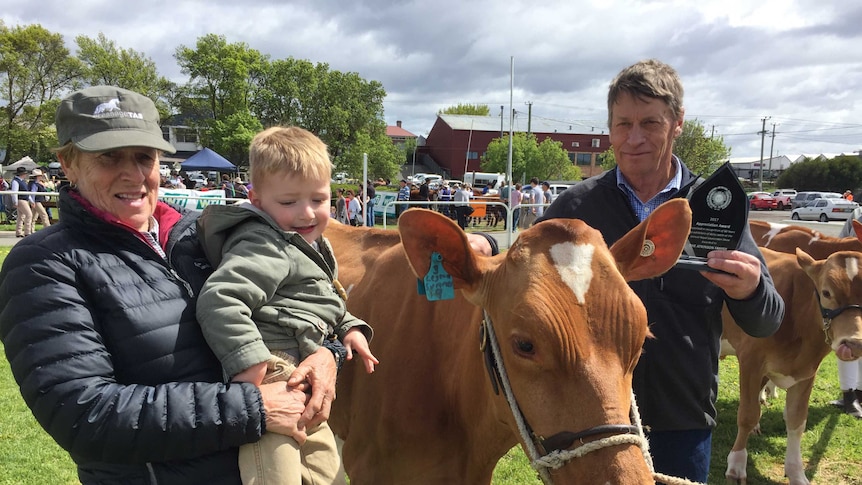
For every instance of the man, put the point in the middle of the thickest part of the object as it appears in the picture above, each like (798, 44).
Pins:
(403, 195)
(504, 198)
(676, 379)
(538, 197)
(25, 213)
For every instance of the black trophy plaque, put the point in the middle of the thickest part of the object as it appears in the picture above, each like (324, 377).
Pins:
(719, 213)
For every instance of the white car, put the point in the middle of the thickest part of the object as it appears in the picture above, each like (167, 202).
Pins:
(825, 210)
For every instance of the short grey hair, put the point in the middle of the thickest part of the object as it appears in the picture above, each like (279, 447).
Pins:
(650, 78)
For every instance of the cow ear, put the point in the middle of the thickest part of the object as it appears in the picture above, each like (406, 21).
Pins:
(857, 228)
(805, 261)
(654, 245)
(424, 232)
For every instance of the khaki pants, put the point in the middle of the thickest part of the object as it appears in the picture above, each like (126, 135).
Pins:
(25, 219)
(279, 460)
(39, 213)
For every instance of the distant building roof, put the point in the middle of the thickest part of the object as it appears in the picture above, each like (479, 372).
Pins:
(397, 131)
(537, 125)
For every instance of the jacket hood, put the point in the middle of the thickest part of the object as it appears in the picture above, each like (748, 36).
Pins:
(218, 221)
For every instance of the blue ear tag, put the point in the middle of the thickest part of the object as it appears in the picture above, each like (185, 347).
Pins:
(420, 287)
(437, 282)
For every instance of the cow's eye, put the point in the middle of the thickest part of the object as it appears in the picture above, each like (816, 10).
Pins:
(524, 347)
(827, 294)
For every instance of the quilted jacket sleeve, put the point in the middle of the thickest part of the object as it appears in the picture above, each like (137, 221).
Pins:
(54, 338)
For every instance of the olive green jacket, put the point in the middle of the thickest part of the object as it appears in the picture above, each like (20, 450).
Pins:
(271, 290)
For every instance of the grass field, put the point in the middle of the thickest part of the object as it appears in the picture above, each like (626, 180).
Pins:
(832, 445)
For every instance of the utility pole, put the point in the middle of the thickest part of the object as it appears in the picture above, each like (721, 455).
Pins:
(529, 115)
(771, 145)
(501, 121)
(762, 134)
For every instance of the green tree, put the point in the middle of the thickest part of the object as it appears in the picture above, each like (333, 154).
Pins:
(105, 63)
(466, 109)
(834, 175)
(35, 68)
(221, 74)
(702, 154)
(231, 136)
(546, 160)
(383, 157)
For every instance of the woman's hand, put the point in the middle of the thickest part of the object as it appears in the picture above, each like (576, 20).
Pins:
(317, 373)
(284, 406)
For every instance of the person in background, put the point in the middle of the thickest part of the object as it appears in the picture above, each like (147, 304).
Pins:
(370, 193)
(546, 192)
(463, 194)
(23, 227)
(848, 195)
(341, 206)
(126, 382)
(240, 189)
(4, 198)
(516, 206)
(37, 184)
(51, 185)
(403, 195)
(676, 378)
(850, 373)
(446, 196)
(538, 197)
(274, 297)
(354, 209)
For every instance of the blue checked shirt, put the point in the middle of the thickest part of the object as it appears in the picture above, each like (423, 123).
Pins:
(644, 209)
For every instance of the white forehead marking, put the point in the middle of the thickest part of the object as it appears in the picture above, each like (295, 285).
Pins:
(851, 265)
(575, 265)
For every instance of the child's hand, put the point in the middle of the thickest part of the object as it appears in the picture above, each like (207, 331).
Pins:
(355, 341)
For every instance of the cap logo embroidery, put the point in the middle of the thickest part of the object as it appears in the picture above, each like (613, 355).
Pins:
(111, 109)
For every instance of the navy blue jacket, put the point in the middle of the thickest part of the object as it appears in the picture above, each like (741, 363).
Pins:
(676, 378)
(101, 336)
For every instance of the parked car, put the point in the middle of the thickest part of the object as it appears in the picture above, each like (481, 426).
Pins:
(761, 201)
(557, 189)
(784, 198)
(804, 198)
(825, 210)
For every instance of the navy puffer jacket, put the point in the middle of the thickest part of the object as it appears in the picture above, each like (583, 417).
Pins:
(101, 336)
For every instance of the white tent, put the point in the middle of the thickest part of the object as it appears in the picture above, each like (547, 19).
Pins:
(25, 162)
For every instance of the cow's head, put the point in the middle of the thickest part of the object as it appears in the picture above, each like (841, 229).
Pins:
(838, 280)
(570, 328)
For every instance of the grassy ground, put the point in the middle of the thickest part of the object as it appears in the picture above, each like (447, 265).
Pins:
(832, 445)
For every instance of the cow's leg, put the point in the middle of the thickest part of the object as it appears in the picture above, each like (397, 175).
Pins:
(747, 419)
(795, 417)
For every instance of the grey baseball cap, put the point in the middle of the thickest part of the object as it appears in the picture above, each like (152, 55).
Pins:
(103, 118)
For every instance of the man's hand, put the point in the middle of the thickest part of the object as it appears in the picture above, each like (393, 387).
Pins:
(479, 244)
(316, 373)
(744, 271)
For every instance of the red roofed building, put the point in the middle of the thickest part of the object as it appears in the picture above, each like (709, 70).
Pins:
(399, 135)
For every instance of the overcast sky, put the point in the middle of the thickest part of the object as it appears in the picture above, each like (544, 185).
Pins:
(798, 62)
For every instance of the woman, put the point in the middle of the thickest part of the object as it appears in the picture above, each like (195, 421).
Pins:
(341, 207)
(354, 209)
(38, 201)
(112, 361)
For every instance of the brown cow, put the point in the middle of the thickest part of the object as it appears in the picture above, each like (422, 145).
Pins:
(570, 331)
(790, 357)
(786, 238)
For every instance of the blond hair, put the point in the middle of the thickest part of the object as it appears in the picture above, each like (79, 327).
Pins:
(288, 149)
